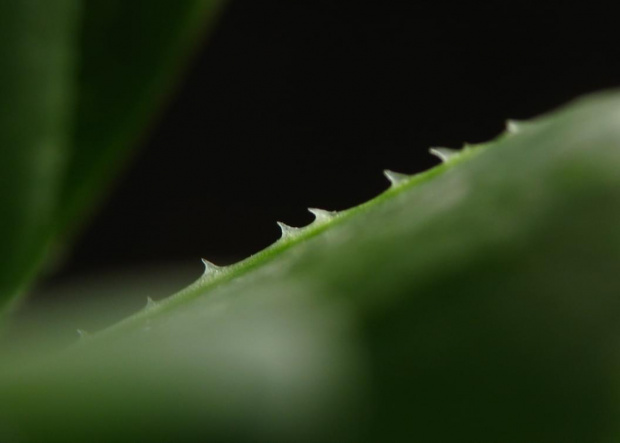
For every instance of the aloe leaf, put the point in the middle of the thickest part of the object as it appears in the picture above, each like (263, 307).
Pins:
(131, 53)
(476, 302)
(36, 77)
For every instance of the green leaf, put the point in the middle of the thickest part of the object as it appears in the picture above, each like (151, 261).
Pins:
(477, 302)
(36, 77)
(75, 99)
(132, 52)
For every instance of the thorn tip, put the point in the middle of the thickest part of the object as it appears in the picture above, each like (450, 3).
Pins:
(321, 215)
(444, 154)
(210, 268)
(513, 126)
(287, 231)
(395, 178)
(150, 303)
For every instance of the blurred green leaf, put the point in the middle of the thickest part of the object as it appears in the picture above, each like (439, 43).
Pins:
(131, 53)
(37, 52)
(74, 101)
(477, 302)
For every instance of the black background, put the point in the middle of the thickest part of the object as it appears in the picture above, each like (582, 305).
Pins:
(297, 103)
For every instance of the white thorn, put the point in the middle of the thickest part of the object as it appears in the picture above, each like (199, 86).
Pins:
(150, 303)
(210, 268)
(82, 333)
(321, 215)
(287, 231)
(513, 126)
(444, 154)
(395, 178)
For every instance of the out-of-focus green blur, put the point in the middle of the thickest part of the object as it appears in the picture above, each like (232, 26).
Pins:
(79, 81)
(37, 54)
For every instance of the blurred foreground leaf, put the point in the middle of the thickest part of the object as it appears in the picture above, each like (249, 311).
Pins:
(478, 302)
(79, 81)
(131, 54)
(37, 53)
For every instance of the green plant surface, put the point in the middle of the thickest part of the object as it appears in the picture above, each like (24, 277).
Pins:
(79, 81)
(477, 302)
(38, 62)
(131, 55)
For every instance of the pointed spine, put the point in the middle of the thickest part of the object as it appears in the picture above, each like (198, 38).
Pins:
(444, 154)
(396, 178)
(82, 333)
(287, 231)
(210, 268)
(321, 215)
(150, 303)
(513, 127)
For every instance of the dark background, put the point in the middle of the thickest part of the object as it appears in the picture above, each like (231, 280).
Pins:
(298, 103)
